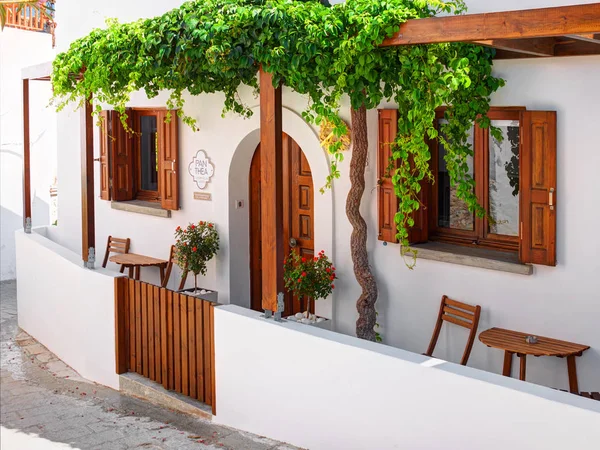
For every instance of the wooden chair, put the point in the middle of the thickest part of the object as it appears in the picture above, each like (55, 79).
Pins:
(458, 313)
(116, 245)
(173, 261)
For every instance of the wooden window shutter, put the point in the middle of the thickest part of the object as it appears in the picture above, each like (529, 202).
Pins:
(538, 187)
(387, 200)
(105, 150)
(168, 144)
(122, 158)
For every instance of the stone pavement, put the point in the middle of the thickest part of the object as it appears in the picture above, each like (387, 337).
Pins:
(45, 404)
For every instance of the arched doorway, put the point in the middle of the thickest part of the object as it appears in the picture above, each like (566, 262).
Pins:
(298, 219)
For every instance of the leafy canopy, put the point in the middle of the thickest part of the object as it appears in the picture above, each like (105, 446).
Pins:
(321, 51)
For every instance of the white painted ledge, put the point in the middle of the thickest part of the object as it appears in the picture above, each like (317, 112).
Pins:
(323, 390)
(474, 257)
(142, 207)
(66, 307)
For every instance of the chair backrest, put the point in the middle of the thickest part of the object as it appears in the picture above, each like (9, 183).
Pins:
(461, 314)
(115, 245)
(173, 261)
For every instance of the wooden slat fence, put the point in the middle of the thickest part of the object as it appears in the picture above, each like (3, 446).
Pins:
(167, 337)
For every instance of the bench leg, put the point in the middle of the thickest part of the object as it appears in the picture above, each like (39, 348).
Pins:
(130, 271)
(573, 385)
(523, 366)
(507, 363)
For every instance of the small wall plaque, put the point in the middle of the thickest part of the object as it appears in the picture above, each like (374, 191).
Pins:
(203, 196)
(201, 169)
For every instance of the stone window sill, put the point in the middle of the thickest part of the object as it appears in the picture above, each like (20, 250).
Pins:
(474, 257)
(141, 207)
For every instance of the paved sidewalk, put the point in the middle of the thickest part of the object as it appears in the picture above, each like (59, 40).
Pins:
(46, 405)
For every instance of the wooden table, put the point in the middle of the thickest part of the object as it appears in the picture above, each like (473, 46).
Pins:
(133, 261)
(514, 342)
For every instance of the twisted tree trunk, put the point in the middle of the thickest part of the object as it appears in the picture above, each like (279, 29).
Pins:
(365, 325)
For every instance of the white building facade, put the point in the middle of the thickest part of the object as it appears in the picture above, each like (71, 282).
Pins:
(18, 49)
(562, 302)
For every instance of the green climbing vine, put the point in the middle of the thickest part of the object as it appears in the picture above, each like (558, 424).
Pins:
(328, 53)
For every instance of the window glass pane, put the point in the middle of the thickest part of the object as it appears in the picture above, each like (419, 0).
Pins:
(452, 211)
(148, 154)
(504, 179)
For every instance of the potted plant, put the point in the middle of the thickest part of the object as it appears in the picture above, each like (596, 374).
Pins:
(311, 277)
(195, 246)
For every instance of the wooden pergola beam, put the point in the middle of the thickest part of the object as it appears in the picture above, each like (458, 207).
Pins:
(593, 38)
(533, 47)
(524, 24)
(271, 194)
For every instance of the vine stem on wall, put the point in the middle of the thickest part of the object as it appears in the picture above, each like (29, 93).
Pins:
(365, 305)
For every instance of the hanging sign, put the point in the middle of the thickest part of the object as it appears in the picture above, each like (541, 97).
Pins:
(201, 169)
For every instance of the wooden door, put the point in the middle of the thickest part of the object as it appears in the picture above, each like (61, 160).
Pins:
(298, 219)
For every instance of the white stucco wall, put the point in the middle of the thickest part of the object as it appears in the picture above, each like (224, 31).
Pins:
(20, 49)
(69, 309)
(322, 390)
(560, 302)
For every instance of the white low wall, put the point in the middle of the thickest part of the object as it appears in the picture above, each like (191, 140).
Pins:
(67, 308)
(322, 390)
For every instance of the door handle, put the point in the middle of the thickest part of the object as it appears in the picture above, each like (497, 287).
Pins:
(551, 199)
(293, 242)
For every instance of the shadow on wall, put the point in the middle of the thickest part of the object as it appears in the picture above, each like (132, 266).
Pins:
(11, 222)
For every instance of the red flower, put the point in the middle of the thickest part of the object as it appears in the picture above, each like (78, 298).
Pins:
(210, 225)
(178, 229)
(316, 259)
(333, 268)
(303, 274)
(332, 286)
(201, 222)
(299, 280)
(185, 243)
(332, 277)
(192, 226)
(328, 270)
(303, 260)
(194, 249)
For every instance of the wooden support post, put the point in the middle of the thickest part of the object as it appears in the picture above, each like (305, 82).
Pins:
(88, 228)
(271, 197)
(26, 156)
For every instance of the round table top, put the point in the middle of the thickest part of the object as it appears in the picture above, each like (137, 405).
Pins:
(514, 341)
(132, 259)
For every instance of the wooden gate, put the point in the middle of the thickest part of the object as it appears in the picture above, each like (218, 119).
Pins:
(167, 337)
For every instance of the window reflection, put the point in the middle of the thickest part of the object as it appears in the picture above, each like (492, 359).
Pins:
(504, 179)
(452, 211)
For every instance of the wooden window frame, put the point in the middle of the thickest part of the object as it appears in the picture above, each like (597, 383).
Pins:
(138, 192)
(480, 236)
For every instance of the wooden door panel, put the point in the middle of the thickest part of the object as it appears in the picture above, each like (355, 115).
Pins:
(298, 220)
(255, 234)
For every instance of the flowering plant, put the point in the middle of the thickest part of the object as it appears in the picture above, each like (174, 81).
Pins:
(195, 246)
(313, 277)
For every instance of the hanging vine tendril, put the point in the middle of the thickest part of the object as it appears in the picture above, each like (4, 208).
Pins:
(321, 51)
